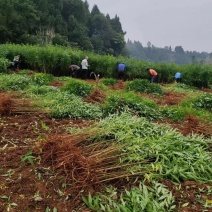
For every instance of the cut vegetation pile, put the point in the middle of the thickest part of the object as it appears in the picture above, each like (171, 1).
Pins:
(75, 145)
(12, 103)
(84, 163)
(5, 105)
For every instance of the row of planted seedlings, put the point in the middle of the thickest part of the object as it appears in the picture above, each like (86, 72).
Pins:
(122, 143)
(55, 60)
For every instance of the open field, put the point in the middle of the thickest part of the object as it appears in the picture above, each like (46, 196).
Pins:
(103, 147)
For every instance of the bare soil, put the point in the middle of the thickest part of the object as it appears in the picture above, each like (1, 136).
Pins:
(46, 179)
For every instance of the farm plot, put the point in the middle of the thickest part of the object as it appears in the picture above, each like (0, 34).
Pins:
(95, 158)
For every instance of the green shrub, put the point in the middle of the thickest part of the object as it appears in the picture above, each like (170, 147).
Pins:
(65, 105)
(143, 85)
(184, 86)
(173, 114)
(25, 72)
(154, 88)
(118, 103)
(204, 102)
(142, 198)
(138, 85)
(14, 82)
(109, 81)
(4, 64)
(42, 79)
(41, 90)
(78, 88)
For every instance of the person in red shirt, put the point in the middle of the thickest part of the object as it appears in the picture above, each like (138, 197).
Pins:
(154, 74)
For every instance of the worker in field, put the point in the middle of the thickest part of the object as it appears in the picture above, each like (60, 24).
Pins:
(75, 70)
(84, 70)
(154, 75)
(177, 77)
(16, 63)
(121, 71)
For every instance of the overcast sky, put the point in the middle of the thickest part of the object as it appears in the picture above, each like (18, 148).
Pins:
(186, 23)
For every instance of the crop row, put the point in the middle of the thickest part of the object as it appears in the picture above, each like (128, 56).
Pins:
(56, 59)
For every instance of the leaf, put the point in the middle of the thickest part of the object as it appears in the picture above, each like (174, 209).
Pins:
(185, 204)
(14, 204)
(55, 209)
(4, 197)
(47, 209)
(5, 146)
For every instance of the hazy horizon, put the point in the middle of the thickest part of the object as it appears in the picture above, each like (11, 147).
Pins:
(163, 23)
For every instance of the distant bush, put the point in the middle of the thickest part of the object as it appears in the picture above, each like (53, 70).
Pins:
(78, 88)
(26, 72)
(4, 64)
(143, 85)
(55, 60)
(14, 82)
(204, 102)
(173, 114)
(42, 79)
(41, 90)
(109, 81)
(66, 105)
(130, 102)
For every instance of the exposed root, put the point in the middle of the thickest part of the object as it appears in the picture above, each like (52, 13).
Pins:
(83, 162)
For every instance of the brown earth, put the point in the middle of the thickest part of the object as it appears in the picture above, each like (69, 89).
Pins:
(36, 175)
(191, 124)
(169, 98)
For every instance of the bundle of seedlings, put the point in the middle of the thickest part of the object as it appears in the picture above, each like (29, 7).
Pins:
(83, 162)
(6, 103)
(12, 103)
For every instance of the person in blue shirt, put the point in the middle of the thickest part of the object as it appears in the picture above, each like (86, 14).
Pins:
(121, 71)
(177, 77)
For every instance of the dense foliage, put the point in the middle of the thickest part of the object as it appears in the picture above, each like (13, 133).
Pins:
(62, 22)
(73, 23)
(55, 60)
(167, 54)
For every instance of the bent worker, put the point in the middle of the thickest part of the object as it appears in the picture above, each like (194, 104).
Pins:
(16, 62)
(74, 70)
(121, 71)
(154, 74)
(177, 77)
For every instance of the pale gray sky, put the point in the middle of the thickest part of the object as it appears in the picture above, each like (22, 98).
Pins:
(186, 23)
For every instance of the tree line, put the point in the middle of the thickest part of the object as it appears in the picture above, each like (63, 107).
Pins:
(60, 22)
(70, 23)
(177, 55)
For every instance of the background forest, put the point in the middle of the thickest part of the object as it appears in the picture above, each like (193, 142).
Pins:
(71, 23)
(60, 22)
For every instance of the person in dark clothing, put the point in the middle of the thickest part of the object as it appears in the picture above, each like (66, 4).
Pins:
(16, 63)
(74, 70)
(121, 71)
